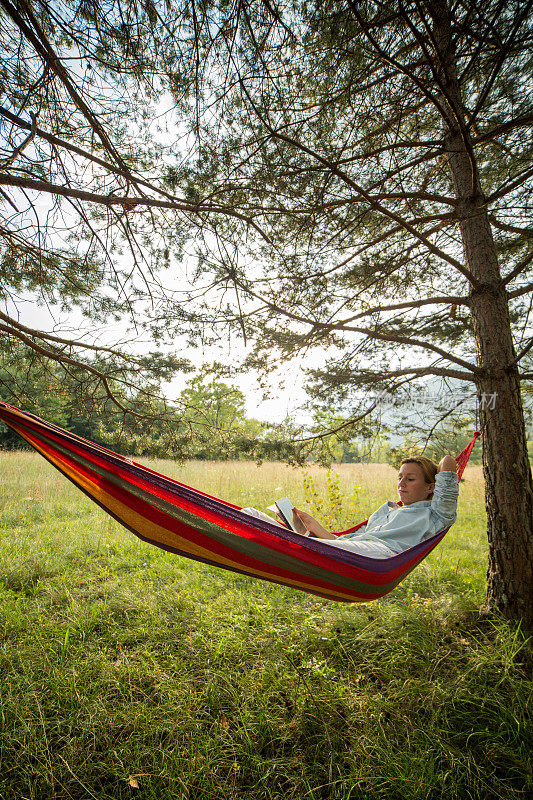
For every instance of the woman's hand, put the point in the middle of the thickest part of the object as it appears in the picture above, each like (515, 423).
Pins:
(312, 525)
(448, 464)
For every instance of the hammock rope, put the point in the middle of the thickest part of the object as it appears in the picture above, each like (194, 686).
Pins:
(191, 523)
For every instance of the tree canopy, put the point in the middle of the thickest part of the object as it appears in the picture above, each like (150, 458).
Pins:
(306, 141)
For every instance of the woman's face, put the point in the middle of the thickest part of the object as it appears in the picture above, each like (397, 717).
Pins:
(412, 486)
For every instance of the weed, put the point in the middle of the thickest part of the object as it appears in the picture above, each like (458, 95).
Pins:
(335, 508)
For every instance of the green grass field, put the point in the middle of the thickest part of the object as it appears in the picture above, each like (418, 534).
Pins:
(128, 672)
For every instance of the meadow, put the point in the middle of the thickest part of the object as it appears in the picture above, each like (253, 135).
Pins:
(129, 672)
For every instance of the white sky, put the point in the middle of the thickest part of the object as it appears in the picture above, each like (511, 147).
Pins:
(287, 395)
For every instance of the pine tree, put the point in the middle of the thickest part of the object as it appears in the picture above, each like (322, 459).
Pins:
(357, 183)
(381, 149)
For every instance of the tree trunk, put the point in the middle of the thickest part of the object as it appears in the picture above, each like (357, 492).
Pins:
(508, 480)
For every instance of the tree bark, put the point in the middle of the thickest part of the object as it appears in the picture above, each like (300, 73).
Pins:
(506, 469)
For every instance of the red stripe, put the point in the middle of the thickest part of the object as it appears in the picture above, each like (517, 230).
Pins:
(175, 526)
(240, 529)
(319, 560)
(305, 555)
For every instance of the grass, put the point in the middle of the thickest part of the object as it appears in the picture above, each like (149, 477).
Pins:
(121, 665)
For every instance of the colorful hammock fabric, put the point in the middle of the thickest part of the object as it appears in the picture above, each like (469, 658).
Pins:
(193, 524)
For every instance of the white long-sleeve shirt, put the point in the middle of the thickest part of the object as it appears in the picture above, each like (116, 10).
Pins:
(401, 527)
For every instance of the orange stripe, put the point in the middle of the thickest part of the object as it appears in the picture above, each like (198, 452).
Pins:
(147, 529)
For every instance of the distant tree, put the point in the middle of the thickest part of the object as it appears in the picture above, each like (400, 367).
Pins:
(21, 374)
(363, 441)
(214, 418)
(47, 389)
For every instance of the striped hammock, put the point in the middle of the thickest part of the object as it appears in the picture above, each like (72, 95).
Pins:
(193, 524)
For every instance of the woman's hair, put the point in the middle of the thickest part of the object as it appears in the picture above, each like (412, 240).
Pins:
(429, 469)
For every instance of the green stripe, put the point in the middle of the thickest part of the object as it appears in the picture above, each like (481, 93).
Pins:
(239, 544)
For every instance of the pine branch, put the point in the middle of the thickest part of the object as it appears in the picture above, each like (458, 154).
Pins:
(524, 351)
(500, 61)
(516, 271)
(503, 226)
(450, 300)
(506, 188)
(522, 290)
(126, 202)
(115, 169)
(524, 120)
(373, 203)
(6, 162)
(368, 332)
(43, 47)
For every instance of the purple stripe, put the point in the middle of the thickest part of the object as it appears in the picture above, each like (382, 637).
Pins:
(218, 507)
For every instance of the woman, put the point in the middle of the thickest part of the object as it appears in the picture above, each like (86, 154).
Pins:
(428, 503)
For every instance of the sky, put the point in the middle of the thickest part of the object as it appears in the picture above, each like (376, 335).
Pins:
(283, 397)
(286, 395)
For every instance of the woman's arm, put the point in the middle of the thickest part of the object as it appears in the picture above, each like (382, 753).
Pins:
(312, 525)
(444, 500)
(448, 464)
